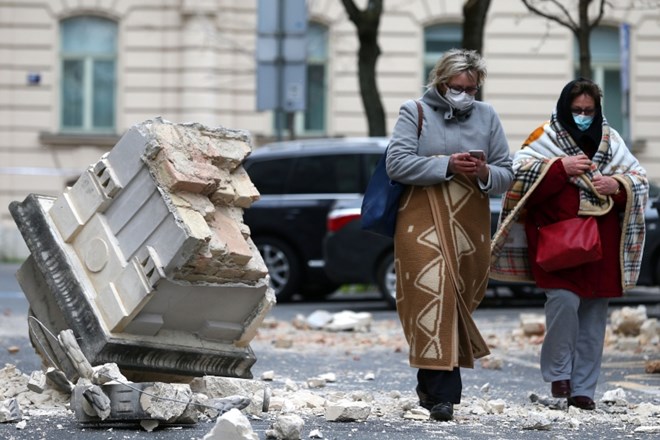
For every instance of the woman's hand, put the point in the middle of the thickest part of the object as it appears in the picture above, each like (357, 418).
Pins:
(605, 185)
(576, 165)
(464, 163)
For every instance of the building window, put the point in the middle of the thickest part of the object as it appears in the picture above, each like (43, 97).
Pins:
(606, 72)
(317, 62)
(437, 40)
(88, 54)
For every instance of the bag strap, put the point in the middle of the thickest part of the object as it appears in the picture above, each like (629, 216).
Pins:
(420, 118)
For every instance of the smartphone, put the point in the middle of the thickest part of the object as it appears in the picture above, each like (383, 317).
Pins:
(479, 154)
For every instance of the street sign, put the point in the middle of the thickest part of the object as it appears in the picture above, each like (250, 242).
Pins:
(281, 55)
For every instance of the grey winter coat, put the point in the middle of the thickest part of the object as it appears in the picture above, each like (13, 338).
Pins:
(446, 131)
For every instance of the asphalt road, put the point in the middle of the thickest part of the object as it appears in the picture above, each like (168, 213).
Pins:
(514, 382)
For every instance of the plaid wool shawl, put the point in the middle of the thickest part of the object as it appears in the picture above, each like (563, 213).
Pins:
(546, 144)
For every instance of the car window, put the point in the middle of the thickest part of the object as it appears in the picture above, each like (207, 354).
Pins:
(270, 176)
(337, 173)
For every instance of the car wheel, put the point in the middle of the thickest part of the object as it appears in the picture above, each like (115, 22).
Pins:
(283, 266)
(386, 279)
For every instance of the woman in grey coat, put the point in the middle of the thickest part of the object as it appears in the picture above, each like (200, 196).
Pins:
(442, 238)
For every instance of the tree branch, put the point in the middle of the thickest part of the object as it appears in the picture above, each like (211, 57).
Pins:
(570, 23)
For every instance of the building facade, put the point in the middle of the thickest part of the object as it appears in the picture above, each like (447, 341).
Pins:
(76, 74)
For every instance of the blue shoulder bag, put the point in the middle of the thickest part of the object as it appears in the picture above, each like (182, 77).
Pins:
(380, 204)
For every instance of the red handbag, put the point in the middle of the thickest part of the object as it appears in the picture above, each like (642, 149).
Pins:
(568, 243)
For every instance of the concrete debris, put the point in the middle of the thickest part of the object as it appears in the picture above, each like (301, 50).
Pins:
(142, 255)
(37, 381)
(106, 373)
(286, 427)
(496, 406)
(70, 346)
(537, 422)
(315, 382)
(58, 379)
(649, 332)
(350, 321)
(165, 401)
(418, 413)
(328, 377)
(492, 363)
(10, 411)
(149, 425)
(615, 397)
(319, 319)
(96, 402)
(347, 411)
(652, 367)
(315, 433)
(13, 349)
(627, 320)
(532, 324)
(647, 429)
(21, 425)
(276, 395)
(232, 425)
(218, 387)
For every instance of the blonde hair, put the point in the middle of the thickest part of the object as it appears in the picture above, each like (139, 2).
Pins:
(456, 61)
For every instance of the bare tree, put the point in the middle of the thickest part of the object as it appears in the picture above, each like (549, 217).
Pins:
(474, 22)
(580, 27)
(367, 21)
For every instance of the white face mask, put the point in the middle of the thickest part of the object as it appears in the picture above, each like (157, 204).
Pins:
(461, 101)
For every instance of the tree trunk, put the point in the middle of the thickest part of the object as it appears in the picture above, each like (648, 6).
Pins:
(367, 22)
(583, 36)
(474, 22)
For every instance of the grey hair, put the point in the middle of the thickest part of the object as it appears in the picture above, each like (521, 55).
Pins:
(456, 61)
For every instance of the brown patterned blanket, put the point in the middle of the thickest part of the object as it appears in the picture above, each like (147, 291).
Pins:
(442, 252)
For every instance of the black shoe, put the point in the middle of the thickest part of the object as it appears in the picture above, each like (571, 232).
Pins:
(582, 402)
(424, 399)
(443, 411)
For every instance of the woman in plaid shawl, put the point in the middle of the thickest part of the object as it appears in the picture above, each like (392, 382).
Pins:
(574, 165)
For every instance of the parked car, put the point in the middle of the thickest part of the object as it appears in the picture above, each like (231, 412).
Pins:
(353, 255)
(299, 182)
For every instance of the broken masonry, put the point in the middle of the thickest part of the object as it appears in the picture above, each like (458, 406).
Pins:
(146, 257)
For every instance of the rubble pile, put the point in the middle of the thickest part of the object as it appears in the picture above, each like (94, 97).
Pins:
(328, 396)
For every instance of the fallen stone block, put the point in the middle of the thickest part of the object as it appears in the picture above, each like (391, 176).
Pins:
(37, 381)
(10, 411)
(286, 427)
(347, 411)
(221, 387)
(143, 261)
(59, 380)
(532, 324)
(627, 320)
(134, 402)
(233, 425)
(652, 367)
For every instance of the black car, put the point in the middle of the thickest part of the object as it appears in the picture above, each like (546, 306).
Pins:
(299, 182)
(353, 255)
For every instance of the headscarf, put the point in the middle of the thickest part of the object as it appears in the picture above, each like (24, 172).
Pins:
(591, 137)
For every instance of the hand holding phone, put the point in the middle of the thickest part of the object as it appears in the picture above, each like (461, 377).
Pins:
(479, 154)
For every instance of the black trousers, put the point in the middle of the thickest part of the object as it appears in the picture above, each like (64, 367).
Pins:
(440, 385)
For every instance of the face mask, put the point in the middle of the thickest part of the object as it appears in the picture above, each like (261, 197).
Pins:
(583, 121)
(460, 102)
